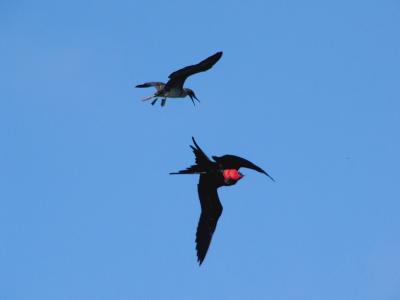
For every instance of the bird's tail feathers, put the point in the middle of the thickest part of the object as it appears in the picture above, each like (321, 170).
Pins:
(203, 163)
(149, 98)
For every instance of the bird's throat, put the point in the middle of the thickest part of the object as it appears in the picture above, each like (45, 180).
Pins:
(231, 175)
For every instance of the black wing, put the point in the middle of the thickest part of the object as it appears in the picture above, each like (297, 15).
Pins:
(211, 210)
(236, 162)
(178, 78)
(157, 85)
(203, 163)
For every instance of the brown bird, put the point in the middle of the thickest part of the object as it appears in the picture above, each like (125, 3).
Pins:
(174, 87)
(223, 171)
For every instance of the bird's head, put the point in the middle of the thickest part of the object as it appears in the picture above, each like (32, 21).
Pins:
(231, 176)
(191, 94)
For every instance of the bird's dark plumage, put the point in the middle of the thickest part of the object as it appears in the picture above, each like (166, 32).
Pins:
(212, 176)
(211, 210)
(178, 78)
(174, 87)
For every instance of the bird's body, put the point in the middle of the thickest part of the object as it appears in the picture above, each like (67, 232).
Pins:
(174, 93)
(223, 171)
(174, 87)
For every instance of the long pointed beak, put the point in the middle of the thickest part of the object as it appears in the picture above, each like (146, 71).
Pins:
(191, 98)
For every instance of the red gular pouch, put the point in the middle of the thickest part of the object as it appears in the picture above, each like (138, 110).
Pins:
(231, 176)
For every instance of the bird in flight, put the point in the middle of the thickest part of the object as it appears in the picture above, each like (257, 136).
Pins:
(223, 171)
(174, 87)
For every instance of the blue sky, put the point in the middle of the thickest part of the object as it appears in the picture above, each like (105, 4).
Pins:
(308, 90)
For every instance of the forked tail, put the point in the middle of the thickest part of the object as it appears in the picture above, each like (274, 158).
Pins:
(203, 163)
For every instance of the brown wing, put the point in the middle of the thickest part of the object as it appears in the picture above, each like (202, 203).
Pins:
(178, 77)
(211, 210)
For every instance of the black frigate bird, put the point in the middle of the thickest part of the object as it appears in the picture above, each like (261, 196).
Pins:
(223, 171)
(174, 87)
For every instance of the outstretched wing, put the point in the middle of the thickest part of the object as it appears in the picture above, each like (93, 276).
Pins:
(235, 162)
(178, 77)
(158, 85)
(211, 210)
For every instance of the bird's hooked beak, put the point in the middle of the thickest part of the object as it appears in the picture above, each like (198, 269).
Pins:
(192, 95)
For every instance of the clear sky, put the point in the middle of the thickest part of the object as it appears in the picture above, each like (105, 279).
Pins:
(308, 90)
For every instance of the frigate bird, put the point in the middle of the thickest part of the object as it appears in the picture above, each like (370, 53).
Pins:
(174, 87)
(223, 171)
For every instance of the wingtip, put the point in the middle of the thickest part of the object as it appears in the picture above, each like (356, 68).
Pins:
(269, 176)
(200, 260)
(217, 56)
